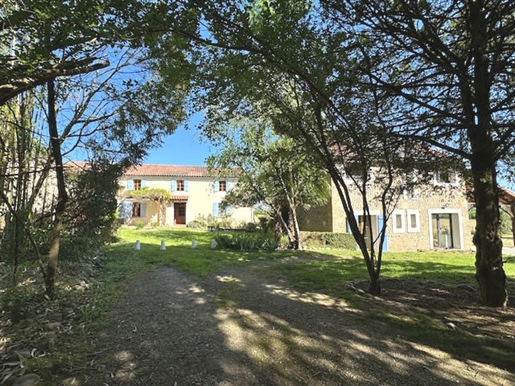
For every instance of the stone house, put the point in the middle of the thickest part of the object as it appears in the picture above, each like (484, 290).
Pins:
(432, 215)
(194, 193)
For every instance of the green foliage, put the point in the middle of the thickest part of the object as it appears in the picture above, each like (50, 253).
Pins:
(247, 242)
(91, 216)
(316, 240)
(150, 193)
(139, 224)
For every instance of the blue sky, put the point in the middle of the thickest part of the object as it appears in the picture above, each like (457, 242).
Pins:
(184, 147)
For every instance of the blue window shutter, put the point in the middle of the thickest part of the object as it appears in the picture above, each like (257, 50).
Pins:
(143, 212)
(215, 209)
(186, 185)
(380, 223)
(124, 209)
(174, 186)
(130, 184)
(228, 211)
(348, 226)
(143, 183)
(216, 187)
(227, 185)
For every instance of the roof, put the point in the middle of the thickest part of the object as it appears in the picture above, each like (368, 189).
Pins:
(146, 170)
(506, 197)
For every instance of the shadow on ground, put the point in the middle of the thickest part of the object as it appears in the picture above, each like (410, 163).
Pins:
(237, 329)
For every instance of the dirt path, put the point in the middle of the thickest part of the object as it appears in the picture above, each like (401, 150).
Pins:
(238, 329)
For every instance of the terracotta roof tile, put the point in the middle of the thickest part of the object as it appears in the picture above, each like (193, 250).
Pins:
(180, 198)
(169, 171)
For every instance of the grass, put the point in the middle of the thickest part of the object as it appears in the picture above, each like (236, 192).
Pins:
(320, 271)
(445, 267)
(198, 261)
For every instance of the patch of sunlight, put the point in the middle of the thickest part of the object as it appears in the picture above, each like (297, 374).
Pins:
(195, 289)
(71, 382)
(311, 298)
(27, 282)
(80, 286)
(200, 301)
(228, 279)
(127, 371)
(3, 342)
(437, 354)
(444, 366)
(123, 356)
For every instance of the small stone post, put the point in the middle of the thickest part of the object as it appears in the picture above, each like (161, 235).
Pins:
(193, 244)
(163, 246)
(137, 247)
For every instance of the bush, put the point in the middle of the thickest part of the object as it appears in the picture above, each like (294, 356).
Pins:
(246, 242)
(327, 240)
(139, 224)
(196, 224)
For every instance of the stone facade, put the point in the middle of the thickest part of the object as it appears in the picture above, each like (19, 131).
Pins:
(434, 215)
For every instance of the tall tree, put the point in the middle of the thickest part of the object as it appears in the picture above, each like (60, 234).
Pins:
(272, 172)
(106, 116)
(447, 69)
(285, 59)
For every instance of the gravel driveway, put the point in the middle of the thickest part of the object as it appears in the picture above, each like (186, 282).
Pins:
(237, 328)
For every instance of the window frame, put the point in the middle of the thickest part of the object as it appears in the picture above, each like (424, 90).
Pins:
(452, 178)
(137, 184)
(136, 209)
(410, 227)
(402, 227)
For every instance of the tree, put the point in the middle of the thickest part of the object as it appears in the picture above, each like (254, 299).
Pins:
(106, 116)
(271, 171)
(446, 68)
(46, 39)
(286, 60)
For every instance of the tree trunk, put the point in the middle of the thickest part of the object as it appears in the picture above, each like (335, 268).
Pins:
(374, 287)
(294, 226)
(62, 195)
(490, 274)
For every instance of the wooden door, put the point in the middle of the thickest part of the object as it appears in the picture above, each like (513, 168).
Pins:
(179, 213)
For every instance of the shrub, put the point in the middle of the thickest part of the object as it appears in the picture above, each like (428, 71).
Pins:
(246, 242)
(328, 240)
(196, 224)
(139, 224)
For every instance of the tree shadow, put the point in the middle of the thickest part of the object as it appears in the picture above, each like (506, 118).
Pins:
(237, 328)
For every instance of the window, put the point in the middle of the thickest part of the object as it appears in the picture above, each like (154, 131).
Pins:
(136, 209)
(139, 209)
(137, 184)
(413, 220)
(446, 177)
(179, 186)
(399, 221)
(222, 186)
(411, 194)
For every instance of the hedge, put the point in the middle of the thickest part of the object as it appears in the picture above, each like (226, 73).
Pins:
(315, 240)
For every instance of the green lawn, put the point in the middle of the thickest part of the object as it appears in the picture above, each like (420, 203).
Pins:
(329, 268)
